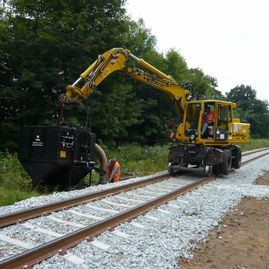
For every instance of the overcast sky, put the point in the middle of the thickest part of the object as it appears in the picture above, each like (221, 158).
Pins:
(227, 39)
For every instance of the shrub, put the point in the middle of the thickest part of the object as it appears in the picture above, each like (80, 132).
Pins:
(15, 184)
(12, 175)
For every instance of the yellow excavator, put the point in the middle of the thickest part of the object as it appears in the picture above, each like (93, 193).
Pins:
(208, 135)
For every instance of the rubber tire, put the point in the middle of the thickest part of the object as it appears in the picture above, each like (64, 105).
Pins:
(237, 159)
(216, 169)
(226, 165)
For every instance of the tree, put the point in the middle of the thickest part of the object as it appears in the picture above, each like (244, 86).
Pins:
(45, 45)
(243, 96)
(203, 86)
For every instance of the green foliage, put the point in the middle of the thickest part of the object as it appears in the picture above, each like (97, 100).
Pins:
(255, 144)
(140, 160)
(243, 96)
(45, 45)
(9, 196)
(15, 184)
(12, 175)
(48, 44)
(203, 85)
(176, 65)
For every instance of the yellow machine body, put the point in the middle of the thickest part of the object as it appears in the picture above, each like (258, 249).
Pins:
(213, 145)
(226, 130)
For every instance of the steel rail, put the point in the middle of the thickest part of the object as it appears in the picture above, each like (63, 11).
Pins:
(253, 152)
(23, 215)
(51, 248)
(37, 254)
(254, 158)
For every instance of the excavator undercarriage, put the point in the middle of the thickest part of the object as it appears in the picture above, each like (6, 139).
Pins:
(216, 160)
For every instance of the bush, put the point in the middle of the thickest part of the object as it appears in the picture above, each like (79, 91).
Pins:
(255, 144)
(12, 175)
(14, 181)
(140, 160)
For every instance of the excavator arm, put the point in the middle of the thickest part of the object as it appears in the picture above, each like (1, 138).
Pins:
(215, 147)
(118, 59)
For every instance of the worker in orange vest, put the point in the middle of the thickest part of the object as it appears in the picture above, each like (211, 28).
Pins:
(209, 118)
(113, 171)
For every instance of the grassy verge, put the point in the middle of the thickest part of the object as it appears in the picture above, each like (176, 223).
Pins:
(15, 185)
(138, 160)
(9, 197)
(135, 160)
(256, 144)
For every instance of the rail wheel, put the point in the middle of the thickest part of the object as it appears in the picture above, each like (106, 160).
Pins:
(216, 169)
(236, 163)
(208, 171)
(226, 165)
(171, 170)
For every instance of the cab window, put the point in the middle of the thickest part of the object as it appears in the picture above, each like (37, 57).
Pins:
(192, 118)
(224, 116)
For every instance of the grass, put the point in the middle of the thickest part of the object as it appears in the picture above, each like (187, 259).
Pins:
(138, 160)
(9, 197)
(135, 160)
(255, 144)
(15, 184)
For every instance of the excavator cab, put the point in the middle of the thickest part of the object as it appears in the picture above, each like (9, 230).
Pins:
(208, 137)
(211, 122)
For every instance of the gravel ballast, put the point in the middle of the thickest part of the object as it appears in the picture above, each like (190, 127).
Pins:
(156, 240)
(175, 231)
(37, 231)
(59, 196)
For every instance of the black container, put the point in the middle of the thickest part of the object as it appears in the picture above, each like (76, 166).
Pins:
(60, 155)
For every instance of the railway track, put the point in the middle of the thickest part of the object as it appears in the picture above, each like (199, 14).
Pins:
(135, 201)
(23, 215)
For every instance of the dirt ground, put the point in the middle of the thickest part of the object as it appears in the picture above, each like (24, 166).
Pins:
(242, 240)
(263, 180)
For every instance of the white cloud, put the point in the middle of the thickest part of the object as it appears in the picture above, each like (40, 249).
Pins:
(227, 39)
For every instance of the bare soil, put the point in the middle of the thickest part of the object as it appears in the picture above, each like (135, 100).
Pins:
(264, 180)
(241, 241)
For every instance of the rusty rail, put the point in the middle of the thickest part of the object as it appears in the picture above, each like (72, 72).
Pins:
(49, 249)
(253, 159)
(26, 214)
(253, 152)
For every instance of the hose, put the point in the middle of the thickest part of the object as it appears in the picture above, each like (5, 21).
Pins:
(101, 155)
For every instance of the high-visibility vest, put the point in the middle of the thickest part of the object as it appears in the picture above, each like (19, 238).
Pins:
(116, 176)
(210, 117)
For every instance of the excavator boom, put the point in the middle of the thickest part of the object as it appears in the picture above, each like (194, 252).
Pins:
(118, 59)
(203, 142)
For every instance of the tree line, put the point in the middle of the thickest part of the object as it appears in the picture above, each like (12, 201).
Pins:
(45, 45)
